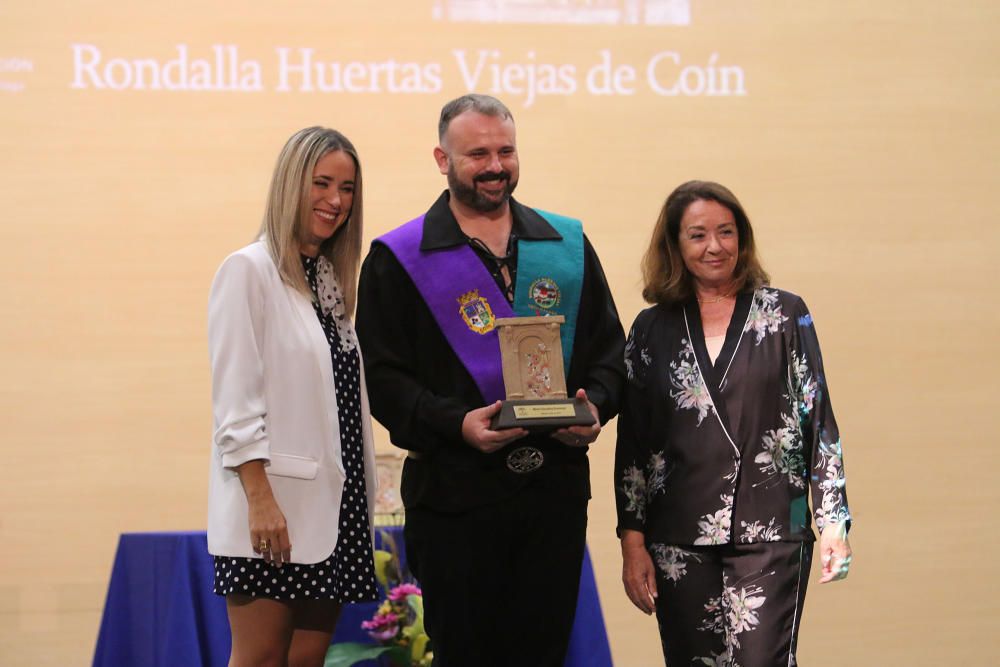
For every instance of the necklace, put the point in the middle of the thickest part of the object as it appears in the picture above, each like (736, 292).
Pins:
(716, 300)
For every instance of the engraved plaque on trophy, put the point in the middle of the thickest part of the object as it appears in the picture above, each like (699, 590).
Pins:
(533, 377)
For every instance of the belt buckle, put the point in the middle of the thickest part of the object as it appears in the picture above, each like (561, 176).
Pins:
(525, 459)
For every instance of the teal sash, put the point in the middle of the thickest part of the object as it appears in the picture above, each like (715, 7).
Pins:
(550, 277)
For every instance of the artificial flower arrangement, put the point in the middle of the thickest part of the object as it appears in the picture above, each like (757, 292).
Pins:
(398, 624)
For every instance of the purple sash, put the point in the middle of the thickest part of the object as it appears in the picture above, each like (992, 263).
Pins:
(464, 299)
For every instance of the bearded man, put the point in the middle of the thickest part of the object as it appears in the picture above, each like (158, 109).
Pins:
(495, 519)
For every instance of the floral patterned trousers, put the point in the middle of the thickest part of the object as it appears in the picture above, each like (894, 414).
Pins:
(732, 605)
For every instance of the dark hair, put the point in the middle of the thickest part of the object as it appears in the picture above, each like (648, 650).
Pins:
(484, 104)
(666, 279)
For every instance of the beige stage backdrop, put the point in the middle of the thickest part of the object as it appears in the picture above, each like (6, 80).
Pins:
(137, 141)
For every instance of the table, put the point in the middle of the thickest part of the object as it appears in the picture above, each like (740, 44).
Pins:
(161, 612)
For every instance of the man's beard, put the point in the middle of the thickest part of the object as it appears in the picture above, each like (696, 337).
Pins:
(471, 197)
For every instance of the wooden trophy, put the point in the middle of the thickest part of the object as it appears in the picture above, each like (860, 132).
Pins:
(533, 377)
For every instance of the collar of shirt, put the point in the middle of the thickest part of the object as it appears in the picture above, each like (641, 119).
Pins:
(441, 230)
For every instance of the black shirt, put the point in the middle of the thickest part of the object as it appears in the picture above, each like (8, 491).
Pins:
(420, 391)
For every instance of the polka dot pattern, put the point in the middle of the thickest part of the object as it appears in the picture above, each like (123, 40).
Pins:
(348, 575)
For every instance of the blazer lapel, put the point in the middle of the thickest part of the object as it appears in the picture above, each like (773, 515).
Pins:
(734, 337)
(310, 325)
(714, 375)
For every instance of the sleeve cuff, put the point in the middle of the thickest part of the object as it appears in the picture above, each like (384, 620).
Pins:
(257, 451)
(599, 397)
(637, 526)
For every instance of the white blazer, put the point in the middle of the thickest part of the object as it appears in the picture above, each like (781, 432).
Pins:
(273, 399)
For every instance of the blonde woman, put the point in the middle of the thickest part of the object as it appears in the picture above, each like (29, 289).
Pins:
(292, 472)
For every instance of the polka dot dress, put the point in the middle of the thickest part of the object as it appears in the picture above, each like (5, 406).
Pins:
(348, 575)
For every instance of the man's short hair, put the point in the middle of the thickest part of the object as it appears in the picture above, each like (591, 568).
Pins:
(484, 104)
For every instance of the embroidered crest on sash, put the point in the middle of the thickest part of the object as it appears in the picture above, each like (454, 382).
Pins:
(476, 312)
(545, 293)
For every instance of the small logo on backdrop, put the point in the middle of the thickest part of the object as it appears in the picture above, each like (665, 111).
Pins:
(476, 312)
(13, 71)
(578, 12)
(545, 293)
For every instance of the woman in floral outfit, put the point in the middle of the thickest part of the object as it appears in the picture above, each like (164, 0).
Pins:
(725, 431)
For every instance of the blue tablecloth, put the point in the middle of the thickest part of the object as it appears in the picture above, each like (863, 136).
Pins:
(161, 611)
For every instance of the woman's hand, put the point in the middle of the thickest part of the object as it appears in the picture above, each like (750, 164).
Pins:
(834, 552)
(268, 530)
(638, 572)
(580, 436)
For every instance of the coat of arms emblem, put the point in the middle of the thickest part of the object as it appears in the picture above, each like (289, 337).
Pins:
(476, 312)
(545, 293)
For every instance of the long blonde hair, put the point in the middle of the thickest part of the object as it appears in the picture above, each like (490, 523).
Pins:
(287, 205)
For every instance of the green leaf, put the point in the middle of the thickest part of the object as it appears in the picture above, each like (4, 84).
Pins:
(399, 656)
(419, 647)
(383, 561)
(415, 628)
(416, 603)
(348, 653)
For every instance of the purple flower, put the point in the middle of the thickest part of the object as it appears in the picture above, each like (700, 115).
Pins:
(383, 626)
(380, 621)
(386, 634)
(402, 591)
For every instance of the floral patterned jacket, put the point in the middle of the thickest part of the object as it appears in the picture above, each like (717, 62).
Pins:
(713, 454)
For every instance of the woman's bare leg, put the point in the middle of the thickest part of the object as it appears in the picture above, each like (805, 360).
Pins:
(262, 631)
(314, 622)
